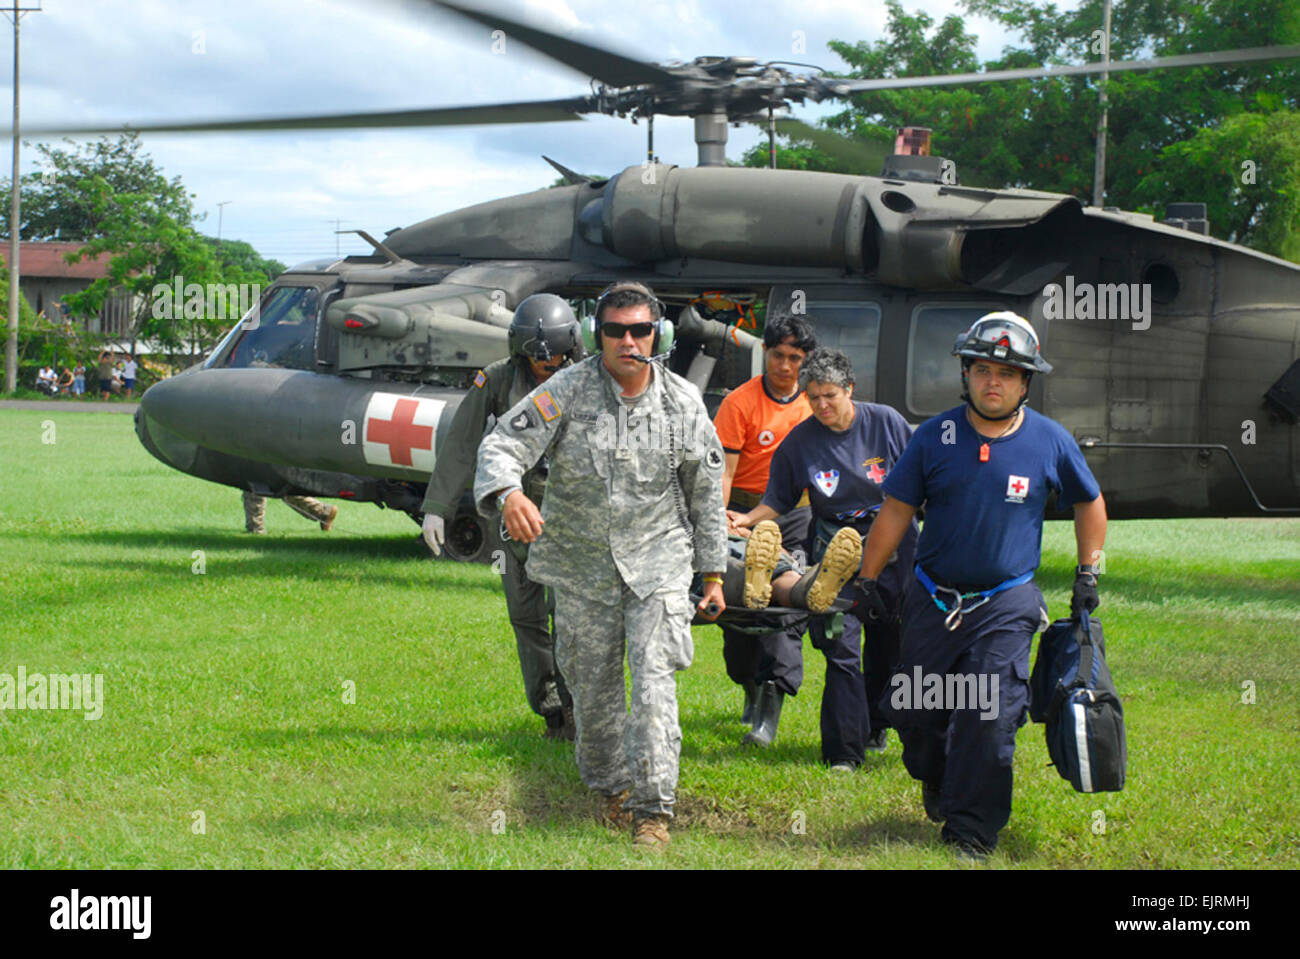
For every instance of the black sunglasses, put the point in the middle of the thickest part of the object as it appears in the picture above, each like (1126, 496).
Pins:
(619, 330)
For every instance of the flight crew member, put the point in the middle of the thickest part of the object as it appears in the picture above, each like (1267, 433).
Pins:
(544, 335)
(634, 502)
(841, 455)
(751, 422)
(983, 471)
(313, 509)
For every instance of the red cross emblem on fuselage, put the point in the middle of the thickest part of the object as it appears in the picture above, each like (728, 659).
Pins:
(400, 433)
(875, 474)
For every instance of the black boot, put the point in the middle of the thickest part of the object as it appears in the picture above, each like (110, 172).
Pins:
(749, 715)
(770, 699)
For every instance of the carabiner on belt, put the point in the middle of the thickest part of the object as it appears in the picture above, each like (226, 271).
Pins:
(955, 614)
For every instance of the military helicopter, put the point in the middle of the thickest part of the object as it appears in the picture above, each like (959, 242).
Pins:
(1176, 370)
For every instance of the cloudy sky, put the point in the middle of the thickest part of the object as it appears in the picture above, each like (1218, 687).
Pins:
(107, 61)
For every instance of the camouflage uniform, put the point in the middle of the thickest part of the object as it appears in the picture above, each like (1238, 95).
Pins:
(255, 510)
(498, 387)
(619, 544)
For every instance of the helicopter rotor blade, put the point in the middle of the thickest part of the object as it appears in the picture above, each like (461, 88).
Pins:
(541, 111)
(863, 155)
(611, 69)
(1249, 55)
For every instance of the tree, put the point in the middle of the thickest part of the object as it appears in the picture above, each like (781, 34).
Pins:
(56, 204)
(238, 256)
(1248, 172)
(153, 249)
(1040, 134)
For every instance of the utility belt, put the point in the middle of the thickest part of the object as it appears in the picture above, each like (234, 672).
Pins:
(744, 499)
(824, 531)
(959, 594)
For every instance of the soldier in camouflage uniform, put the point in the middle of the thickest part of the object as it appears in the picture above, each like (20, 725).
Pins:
(313, 509)
(544, 335)
(633, 504)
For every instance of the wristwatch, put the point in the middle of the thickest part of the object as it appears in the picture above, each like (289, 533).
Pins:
(505, 495)
(1089, 568)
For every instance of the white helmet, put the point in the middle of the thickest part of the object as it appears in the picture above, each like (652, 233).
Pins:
(1003, 337)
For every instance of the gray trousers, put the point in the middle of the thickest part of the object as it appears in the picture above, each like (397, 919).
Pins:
(620, 748)
(530, 606)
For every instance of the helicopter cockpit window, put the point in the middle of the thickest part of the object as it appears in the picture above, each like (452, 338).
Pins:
(854, 329)
(933, 373)
(283, 333)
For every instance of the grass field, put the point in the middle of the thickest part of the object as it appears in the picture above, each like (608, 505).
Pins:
(224, 695)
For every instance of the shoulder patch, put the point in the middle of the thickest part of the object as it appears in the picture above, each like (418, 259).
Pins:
(546, 405)
(480, 379)
(713, 459)
(524, 421)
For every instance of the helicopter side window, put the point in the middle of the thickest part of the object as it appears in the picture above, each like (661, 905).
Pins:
(932, 382)
(854, 329)
(283, 333)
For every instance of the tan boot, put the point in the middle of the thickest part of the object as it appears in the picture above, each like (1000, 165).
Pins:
(762, 553)
(612, 813)
(327, 524)
(652, 832)
(822, 583)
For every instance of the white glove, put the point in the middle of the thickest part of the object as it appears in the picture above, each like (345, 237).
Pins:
(434, 531)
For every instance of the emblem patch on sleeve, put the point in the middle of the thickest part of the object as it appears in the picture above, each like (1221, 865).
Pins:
(480, 379)
(546, 405)
(713, 459)
(525, 420)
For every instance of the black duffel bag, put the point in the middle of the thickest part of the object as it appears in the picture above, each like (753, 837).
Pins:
(1071, 691)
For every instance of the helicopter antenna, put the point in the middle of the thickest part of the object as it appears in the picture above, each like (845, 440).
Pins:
(570, 177)
(383, 251)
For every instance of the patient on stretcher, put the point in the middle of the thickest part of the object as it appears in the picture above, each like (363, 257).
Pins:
(760, 574)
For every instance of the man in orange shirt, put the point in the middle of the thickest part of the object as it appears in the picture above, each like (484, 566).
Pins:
(751, 422)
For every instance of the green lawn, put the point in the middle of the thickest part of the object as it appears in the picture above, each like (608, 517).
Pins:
(224, 694)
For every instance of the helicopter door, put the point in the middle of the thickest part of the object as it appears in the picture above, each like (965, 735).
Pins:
(843, 322)
(932, 371)
(853, 329)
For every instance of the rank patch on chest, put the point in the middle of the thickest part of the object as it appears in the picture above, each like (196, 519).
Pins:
(546, 405)
(480, 379)
(1017, 488)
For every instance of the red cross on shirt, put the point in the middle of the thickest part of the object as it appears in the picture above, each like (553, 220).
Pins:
(1018, 486)
(400, 433)
(876, 474)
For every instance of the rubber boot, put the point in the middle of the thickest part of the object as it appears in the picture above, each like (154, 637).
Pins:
(733, 583)
(749, 714)
(770, 699)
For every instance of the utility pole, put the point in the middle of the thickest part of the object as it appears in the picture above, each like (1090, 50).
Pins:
(15, 14)
(220, 211)
(1099, 170)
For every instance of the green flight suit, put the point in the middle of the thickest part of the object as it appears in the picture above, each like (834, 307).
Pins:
(496, 389)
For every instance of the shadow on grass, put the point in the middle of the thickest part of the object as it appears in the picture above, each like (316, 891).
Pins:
(297, 542)
(332, 821)
(546, 792)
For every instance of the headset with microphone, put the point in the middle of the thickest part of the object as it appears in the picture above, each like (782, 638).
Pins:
(663, 327)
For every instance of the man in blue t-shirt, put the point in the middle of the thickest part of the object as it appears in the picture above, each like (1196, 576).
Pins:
(983, 472)
(841, 455)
